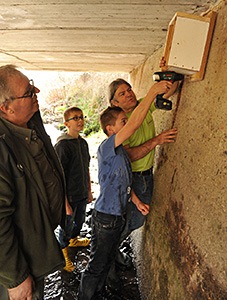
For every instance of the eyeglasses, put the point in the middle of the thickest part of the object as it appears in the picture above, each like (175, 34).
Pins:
(76, 118)
(29, 94)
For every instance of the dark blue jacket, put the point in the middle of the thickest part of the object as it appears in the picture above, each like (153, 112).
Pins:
(75, 158)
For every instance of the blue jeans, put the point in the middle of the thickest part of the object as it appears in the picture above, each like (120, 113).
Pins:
(143, 188)
(106, 231)
(64, 235)
(79, 211)
(73, 224)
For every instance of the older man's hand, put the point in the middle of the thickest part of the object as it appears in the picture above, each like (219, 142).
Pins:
(23, 291)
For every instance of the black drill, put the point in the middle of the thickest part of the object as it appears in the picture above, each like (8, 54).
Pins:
(171, 76)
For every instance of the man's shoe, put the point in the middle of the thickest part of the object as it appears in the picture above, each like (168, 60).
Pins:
(79, 242)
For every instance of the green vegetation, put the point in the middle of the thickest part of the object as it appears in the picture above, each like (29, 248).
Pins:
(88, 92)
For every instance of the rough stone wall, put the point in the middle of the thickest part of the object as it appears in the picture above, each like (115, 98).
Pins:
(181, 250)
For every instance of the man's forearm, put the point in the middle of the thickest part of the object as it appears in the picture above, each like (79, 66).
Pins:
(138, 152)
(142, 150)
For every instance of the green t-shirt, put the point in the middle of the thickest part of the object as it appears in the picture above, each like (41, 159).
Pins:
(145, 132)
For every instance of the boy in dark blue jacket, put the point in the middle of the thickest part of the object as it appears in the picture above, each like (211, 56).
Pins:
(74, 155)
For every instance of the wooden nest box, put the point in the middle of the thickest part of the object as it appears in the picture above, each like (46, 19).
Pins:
(187, 44)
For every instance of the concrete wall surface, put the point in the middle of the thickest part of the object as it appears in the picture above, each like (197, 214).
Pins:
(181, 250)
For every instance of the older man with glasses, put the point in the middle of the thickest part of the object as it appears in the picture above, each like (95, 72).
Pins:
(32, 193)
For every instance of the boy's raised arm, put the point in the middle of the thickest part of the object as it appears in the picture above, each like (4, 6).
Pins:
(139, 113)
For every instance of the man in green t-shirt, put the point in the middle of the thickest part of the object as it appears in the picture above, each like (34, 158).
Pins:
(140, 146)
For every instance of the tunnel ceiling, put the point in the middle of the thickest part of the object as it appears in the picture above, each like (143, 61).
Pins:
(92, 35)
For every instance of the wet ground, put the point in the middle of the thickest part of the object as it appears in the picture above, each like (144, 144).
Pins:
(62, 285)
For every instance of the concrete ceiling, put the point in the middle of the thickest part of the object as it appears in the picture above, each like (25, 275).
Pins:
(91, 35)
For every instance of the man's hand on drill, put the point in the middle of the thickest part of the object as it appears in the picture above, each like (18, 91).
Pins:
(162, 65)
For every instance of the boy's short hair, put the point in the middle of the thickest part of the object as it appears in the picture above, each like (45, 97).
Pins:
(114, 86)
(68, 112)
(109, 116)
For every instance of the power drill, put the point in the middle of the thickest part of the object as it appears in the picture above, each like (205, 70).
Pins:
(171, 76)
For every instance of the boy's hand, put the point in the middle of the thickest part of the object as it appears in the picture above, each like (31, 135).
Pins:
(143, 208)
(68, 208)
(90, 197)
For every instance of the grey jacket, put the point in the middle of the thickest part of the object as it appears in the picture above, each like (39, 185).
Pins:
(27, 241)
